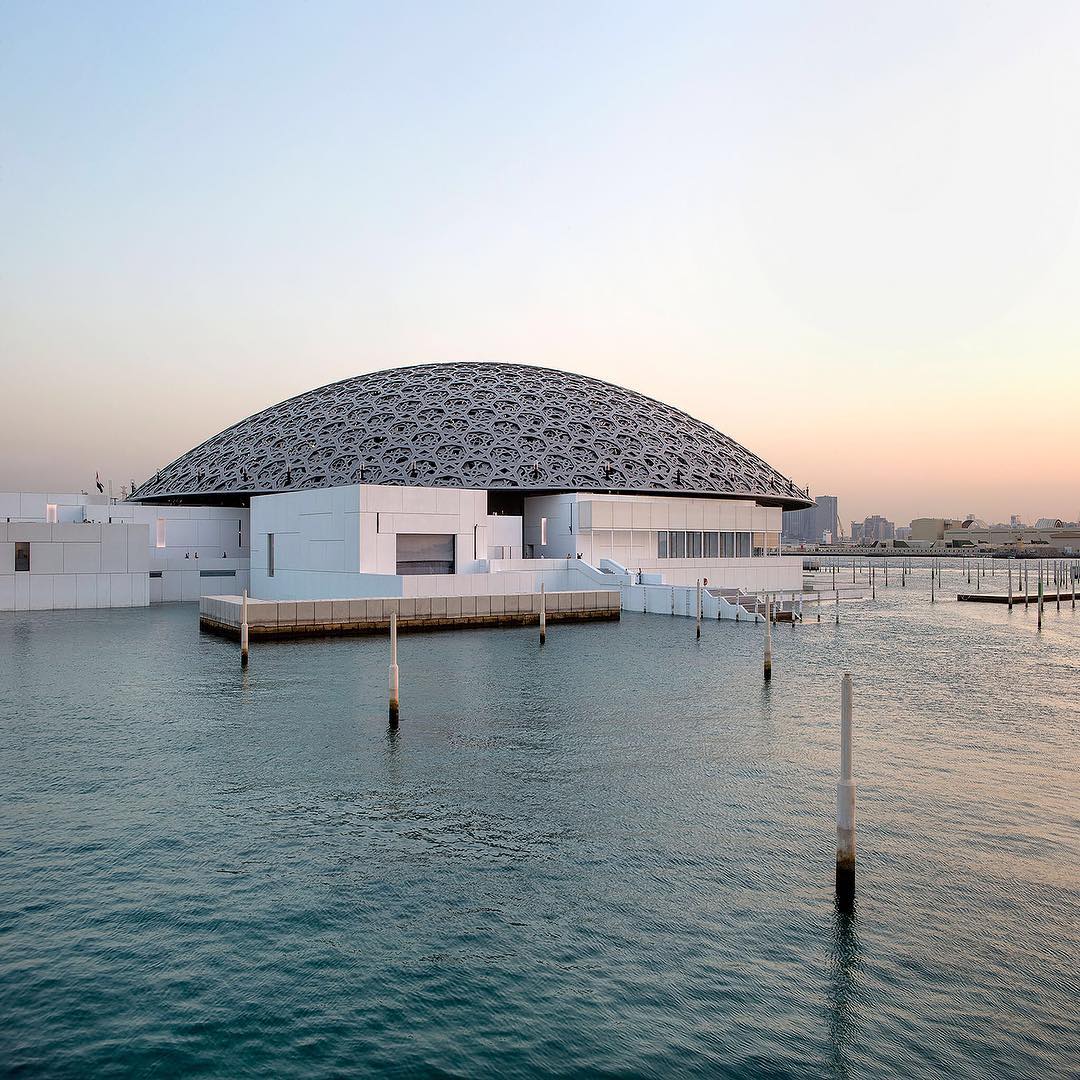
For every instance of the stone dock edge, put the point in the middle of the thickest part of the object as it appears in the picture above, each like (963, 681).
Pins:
(297, 619)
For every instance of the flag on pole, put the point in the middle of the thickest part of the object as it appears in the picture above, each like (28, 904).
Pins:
(97, 480)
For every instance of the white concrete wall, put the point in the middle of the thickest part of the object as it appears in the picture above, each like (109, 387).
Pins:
(206, 549)
(32, 505)
(624, 527)
(504, 532)
(342, 542)
(74, 566)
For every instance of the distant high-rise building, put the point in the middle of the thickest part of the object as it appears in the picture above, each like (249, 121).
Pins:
(876, 527)
(828, 516)
(1014, 521)
(813, 524)
(857, 532)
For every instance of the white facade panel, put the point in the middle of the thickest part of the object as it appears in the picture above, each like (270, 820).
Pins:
(46, 558)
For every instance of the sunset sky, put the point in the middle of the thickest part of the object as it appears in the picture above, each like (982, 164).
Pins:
(845, 234)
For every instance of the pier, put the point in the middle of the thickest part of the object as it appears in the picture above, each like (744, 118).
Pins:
(1017, 598)
(324, 618)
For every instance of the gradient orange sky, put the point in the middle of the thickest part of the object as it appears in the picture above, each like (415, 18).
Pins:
(845, 234)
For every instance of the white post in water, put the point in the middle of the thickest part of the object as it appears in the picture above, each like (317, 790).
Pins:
(543, 613)
(1010, 586)
(394, 702)
(1072, 573)
(1025, 585)
(845, 802)
(244, 633)
(698, 613)
(768, 637)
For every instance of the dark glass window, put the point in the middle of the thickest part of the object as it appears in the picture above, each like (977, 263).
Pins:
(661, 545)
(425, 553)
(727, 545)
(269, 554)
(742, 545)
(712, 545)
(22, 555)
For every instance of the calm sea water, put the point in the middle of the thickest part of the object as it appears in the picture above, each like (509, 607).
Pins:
(613, 856)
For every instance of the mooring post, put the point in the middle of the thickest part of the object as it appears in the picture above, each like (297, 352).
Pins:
(768, 637)
(1040, 600)
(1025, 585)
(1073, 577)
(836, 597)
(1057, 585)
(393, 670)
(543, 613)
(244, 632)
(698, 613)
(1010, 586)
(931, 586)
(845, 802)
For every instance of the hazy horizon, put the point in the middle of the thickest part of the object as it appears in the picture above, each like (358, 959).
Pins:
(847, 236)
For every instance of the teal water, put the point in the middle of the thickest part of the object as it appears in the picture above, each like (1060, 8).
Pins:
(613, 856)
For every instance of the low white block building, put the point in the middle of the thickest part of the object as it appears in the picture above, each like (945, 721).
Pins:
(73, 565)
(170, 553)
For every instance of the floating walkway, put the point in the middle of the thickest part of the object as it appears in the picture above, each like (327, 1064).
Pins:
(323, 618)
(1017, 598)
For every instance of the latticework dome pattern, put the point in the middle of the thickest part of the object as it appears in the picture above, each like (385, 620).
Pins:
(474, 426)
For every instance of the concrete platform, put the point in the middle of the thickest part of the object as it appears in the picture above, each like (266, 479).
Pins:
(315, 618)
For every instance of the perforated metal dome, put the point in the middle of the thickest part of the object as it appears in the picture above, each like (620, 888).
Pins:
(475, 426)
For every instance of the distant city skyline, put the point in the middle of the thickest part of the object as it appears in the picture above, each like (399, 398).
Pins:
(847, 236)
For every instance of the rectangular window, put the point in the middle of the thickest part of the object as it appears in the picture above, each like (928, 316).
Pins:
(160, 532)
(22, 556)
(759, 544)
(543, 532)
(50, 513)
(712, 545)
(772, 543)
(240, 532)
(425, 553)
(693, 545)
(727, 545)
(155, 573)
(217, 573)
(269, 554)
(742, 545)
(680, 545)
(661, 545)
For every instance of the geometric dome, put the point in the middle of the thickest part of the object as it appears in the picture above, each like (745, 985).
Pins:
(469, 425)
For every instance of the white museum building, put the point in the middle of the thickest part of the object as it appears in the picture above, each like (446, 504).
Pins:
(440, 479)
